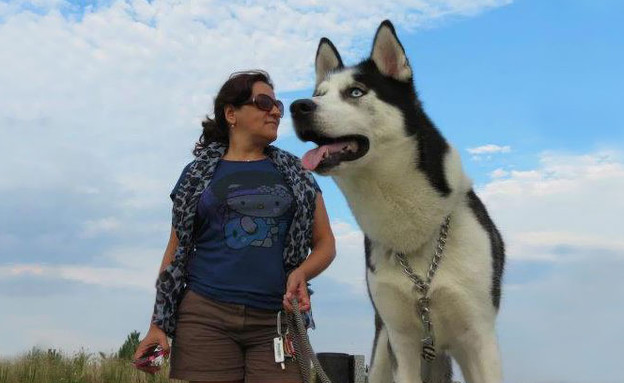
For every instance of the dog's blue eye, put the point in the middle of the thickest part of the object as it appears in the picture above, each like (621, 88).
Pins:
(356, 92)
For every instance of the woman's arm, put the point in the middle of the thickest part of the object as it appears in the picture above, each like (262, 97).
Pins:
(323, 243)
(156, 335)
(323, 253)
(169, 251)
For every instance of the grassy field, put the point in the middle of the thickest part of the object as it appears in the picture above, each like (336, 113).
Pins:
(53, 366)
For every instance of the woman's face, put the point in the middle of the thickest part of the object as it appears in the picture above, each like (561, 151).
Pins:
(259, 125)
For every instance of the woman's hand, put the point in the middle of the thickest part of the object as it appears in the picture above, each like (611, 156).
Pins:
(155, 336)
(297, 287)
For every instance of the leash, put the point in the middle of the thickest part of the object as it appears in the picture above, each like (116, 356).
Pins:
(309, 364)
(428, 351)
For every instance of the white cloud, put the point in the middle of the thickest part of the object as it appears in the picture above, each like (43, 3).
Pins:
(499, 173)
(15, 270)
(560, 222)
(104, 225)
(117, 277)
(489, 149)
(118, 93)
(568, 202)
(349, 266)
(135, 268)
(108, 276)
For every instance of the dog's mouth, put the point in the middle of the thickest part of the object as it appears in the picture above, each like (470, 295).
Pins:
(332, 151)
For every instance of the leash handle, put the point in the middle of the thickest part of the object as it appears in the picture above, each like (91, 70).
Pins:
(309, 365)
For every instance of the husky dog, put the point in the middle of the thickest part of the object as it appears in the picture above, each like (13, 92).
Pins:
(404, 184)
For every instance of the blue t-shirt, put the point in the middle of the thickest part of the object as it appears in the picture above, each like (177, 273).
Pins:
(240, 227)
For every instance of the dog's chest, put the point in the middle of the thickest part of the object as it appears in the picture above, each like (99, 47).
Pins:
(396, 299)
(392, 291)
(399, 213)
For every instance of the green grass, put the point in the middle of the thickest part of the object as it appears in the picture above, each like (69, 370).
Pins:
(53, 366)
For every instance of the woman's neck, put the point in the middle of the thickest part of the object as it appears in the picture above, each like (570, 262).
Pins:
(244, 152)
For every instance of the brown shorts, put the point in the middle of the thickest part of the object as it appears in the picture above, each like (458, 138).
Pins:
(218, 342)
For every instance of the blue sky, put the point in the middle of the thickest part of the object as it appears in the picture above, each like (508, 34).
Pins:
(99, 109)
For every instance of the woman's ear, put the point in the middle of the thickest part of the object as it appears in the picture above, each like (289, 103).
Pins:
(230, 114)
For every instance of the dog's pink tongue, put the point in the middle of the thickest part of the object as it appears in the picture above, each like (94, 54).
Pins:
(314, 157)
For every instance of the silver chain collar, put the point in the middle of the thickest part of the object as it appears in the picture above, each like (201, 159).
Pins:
(423, 285)
(428, 350)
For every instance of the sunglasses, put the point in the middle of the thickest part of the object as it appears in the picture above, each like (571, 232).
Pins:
(266, 103)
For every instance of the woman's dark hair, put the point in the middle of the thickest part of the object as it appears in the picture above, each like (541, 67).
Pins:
(236, 91)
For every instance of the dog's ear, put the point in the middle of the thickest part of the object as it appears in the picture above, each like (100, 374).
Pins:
(388, 53)
(327, 59)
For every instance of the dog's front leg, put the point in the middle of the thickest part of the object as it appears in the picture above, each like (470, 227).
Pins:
(405, 357)
(478, 356)
(381, 361)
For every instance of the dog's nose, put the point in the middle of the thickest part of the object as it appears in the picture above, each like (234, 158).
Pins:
(303, 107)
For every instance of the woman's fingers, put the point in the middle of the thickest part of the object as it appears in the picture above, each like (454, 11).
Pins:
(303, 298)
(296, 287)
(286, 302)
(143, 346)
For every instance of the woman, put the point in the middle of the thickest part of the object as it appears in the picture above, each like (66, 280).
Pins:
(245, 215)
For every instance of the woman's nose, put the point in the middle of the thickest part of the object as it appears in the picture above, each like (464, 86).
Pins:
(275, 111)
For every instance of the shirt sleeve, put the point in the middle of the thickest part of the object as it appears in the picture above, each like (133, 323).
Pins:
(177, 185)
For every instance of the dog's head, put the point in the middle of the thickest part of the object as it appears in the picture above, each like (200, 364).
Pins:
(356, 111)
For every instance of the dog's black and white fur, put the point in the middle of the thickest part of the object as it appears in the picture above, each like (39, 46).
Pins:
(401, 179)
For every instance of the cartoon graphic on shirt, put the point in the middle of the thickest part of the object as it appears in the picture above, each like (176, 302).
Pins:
(252, 212)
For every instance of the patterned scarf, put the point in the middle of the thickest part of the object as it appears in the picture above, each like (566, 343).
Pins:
(171, 282)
